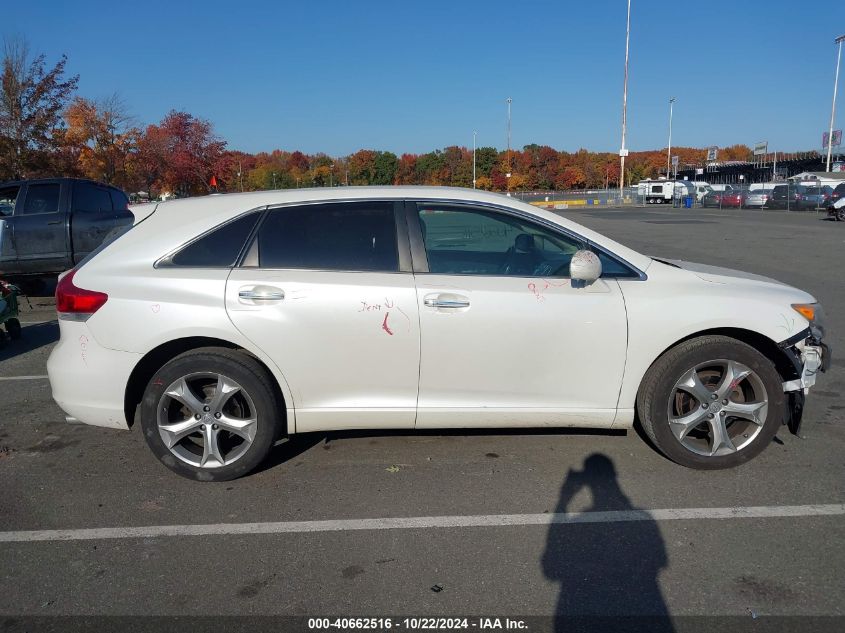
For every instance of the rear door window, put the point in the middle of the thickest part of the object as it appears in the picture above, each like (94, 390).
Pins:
(348, 236)
(41, 198)
(90, 198)
(220, 247)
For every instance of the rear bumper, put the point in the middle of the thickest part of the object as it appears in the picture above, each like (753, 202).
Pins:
(89, 381)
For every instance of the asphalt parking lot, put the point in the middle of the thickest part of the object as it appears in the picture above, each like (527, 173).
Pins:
(740, 563)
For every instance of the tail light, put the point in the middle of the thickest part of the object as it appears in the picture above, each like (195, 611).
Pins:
(74, 303)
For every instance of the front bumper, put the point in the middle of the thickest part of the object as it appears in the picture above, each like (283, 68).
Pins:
(808, 356)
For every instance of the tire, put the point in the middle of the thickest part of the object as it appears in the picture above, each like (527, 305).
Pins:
(13, 327)
(249, 420)
(709, 356)
(839, 214)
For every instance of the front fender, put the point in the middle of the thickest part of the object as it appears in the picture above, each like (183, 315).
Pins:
(674, 305)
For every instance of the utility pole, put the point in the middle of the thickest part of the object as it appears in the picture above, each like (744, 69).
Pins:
(838, 40)
(474, 133)
(669, 151)
(623, 152)
(508, 172)
(240, 176)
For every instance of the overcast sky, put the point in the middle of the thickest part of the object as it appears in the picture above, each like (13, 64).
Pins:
(415, 76)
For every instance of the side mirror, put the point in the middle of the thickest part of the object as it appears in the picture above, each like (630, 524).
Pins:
(585, 267)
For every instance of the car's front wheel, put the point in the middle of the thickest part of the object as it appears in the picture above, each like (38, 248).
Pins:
(711, 402)
(211, 414)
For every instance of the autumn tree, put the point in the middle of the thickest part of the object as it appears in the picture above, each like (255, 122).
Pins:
(32, 100)
(102, 136)
(735, 152)
(406, 169)
(179, 154)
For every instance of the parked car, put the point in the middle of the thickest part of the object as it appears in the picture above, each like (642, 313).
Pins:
(732, 198)
(814, 197)
(784, 197)
(756, 199)
(837, 194)
(711, 199)
(239, 319)
(49, 225)
(722, 199)
(837, 210)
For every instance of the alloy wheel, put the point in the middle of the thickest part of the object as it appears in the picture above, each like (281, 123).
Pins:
(717, 407)
(207, 420)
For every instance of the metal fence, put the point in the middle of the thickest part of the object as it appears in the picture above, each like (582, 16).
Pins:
(811, 196)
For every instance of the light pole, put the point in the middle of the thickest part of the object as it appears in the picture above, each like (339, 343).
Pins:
(508, 172)
(474, 133)
(274, 180)
(624, 152)
(838, 40)
(331, 175)
(669, 151)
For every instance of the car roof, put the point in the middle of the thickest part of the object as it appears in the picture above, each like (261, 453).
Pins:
(12, 183)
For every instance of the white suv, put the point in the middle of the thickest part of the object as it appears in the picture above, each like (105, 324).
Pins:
(226, 322)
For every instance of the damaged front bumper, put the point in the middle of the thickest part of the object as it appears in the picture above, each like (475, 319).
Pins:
(808, 356)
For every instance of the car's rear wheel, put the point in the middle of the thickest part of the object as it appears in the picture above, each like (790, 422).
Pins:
(711, 402)
(840, 214)
(211, 414)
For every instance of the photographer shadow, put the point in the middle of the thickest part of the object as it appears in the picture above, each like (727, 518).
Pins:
(608, 570)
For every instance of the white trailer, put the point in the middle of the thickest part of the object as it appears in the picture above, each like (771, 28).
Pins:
(662, 191)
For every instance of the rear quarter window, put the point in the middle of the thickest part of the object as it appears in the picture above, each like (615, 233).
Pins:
(90, 198)
(219, 248)
(119, 200)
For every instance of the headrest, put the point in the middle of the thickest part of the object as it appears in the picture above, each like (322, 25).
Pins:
(524, 243)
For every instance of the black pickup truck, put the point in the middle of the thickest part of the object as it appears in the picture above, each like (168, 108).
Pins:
(49, 225)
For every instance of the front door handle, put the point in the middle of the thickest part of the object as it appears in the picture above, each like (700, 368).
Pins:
(446, 301)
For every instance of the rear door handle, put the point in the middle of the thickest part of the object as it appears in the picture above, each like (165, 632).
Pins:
(262, 294)
(446, 301)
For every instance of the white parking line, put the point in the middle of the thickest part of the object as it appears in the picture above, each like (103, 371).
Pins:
(44, 377)
(493, 520)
